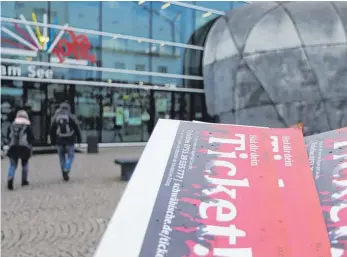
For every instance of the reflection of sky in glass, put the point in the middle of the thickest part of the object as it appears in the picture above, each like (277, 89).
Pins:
(148, 20)
(216, 5)
(123, 17)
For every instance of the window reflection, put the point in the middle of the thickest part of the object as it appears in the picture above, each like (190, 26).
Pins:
(14, 9)
(125, 115)
(174, 23)
(76, 14)
(11, 101)
(216, 5)
(87, 109)
(201, 18)
(182, 106)
(162, 105)
(122, 53)
(122, 17)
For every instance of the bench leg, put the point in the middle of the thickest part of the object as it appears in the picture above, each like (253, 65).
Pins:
(127, 171)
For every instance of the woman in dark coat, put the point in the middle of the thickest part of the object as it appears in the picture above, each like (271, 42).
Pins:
(20, 138)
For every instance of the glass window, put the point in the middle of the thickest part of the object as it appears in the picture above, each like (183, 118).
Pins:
(125, 115)
(162, 69)
(174, 23)
(163, 105)
(224, 6)
(11, 101)
(87, 110)
(76, 14)
(14, 9)
(126, 17)
(119, 65)
(216, 5)
(133, 54)
(182, 106)
(140, 67)
(201, 18)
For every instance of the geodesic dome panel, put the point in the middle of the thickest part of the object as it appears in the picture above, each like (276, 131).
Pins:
(277, 64)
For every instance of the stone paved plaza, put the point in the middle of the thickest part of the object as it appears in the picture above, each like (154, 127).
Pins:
(52, 218)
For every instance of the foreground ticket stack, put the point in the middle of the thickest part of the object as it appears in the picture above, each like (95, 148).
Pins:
(328, 160)
(219, 191)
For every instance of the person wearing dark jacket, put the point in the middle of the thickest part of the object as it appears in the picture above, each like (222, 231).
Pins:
(20, 138)
(64, 133)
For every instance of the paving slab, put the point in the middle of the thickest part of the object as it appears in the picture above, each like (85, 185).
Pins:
(53, 218)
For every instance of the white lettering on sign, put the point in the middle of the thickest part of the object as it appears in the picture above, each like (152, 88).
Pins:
(33, 72)
(39, 73)
(10, 71)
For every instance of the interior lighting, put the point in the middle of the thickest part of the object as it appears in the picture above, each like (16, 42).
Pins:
(109, 81)
(162, 44)
(205, 15)
(139, 41)
(166, 5)
(141, 2)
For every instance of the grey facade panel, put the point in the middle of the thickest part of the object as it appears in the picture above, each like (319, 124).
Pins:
(330, 65)
(274, 31)
(308, 20)
(286, 75)
(241, 23)
(286, 63)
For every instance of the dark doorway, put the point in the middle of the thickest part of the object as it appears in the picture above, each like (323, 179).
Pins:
(41, 101)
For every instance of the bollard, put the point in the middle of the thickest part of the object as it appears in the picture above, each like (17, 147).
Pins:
(92, 142)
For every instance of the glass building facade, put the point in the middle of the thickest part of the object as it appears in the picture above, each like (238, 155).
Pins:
(120, 65)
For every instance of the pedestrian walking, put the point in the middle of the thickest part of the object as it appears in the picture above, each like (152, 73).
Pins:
(64, 133)
(20, 138)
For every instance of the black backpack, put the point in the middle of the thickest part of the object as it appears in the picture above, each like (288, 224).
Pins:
(18, 135)
(63, 125)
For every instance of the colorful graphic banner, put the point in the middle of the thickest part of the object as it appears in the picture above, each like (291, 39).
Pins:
(221, 196)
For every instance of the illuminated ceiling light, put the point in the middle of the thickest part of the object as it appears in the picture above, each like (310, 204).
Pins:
(205, 15)
(162, 44)
(141, 2)
(109, 81)
(44, 39)
(29, 58)
(165, 5)
(141, 83)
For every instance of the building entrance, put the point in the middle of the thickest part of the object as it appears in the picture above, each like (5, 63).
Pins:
(113, 114)
(41, 101)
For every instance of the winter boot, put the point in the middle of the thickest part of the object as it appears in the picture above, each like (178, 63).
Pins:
(10, 184)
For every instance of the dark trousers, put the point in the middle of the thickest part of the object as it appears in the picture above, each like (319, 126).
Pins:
(13, 167)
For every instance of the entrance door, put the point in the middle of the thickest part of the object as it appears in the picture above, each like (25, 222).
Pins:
(35, 104)
(41, 101)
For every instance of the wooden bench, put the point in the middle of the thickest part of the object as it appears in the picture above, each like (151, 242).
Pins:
(127, 167)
